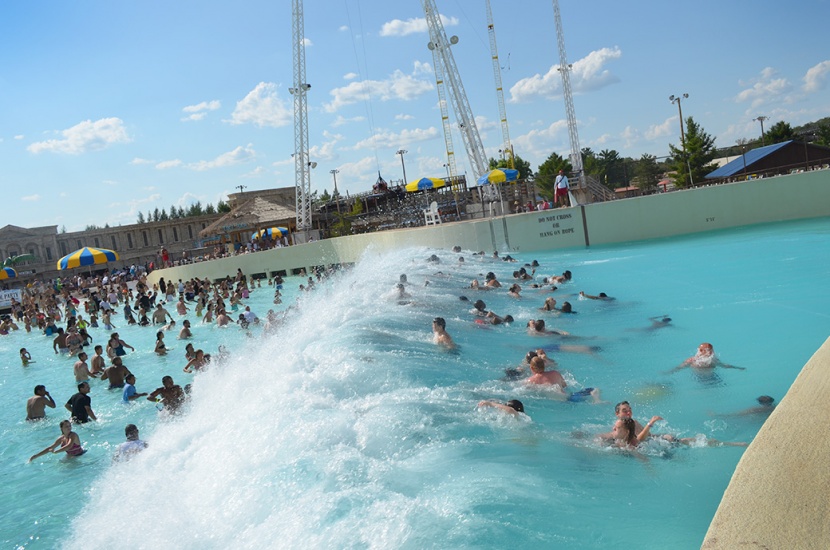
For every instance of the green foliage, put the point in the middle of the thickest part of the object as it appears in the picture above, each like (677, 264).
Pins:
(648, 172)
(195, 209)
(519, 164)
(222, 207)
(697, 159)
(341, 226)
(357, 208)
(778, 132)
(63, 229)
(325, 197)
(140, 217)
(546, 175)
(163, 217)
(823, 135)
(174, 213)
(210, 209)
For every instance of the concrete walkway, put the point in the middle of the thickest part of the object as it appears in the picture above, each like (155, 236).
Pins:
(779, 495)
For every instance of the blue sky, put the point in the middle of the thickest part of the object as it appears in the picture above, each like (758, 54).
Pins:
(111, 108)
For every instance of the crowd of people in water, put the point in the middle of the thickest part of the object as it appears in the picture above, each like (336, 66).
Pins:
(84, 303)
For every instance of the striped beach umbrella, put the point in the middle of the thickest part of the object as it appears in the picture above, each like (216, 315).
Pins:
(273, 232)
(7, 273)
(424, 184)
(499, 175)
(87, 256)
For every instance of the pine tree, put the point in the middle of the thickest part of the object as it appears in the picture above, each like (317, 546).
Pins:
(697, 158)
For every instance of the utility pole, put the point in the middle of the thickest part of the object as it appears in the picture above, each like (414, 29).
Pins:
(677, 99)
(336, 193)
(761, 119)
(402, 152)
(564, 71)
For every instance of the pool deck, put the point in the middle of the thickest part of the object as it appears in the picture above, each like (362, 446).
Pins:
(779, 495)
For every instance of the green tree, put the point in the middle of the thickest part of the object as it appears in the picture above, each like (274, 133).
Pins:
(222, 207)
(547, 172)
(210, 209)
(182, 213)
(325, 197)
(163, 217)
(591, 164)
(648, 172)
(174, 214)
(697, 159)
(156, 215)
(519, 164)
(195, 209)
(779, 132)
(140, 217)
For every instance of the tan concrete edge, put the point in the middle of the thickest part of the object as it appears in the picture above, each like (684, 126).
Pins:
(779, 495)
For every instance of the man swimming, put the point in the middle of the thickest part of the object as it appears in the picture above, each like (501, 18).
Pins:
(440, 334)
(704, 359)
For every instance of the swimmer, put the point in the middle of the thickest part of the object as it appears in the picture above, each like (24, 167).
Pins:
(197, 363)
(125, 451)
(185, 332)
(160, 348)
(494, 319)
(130, 393)
(559, 279)
(491, 281)
(601, 296)
(25, 357)
(479, 308)
(440, 334)
(514, 407)
(766, 404)
(545, 378)
(170, 395)
(536, 327)
(116, 373)
(515, 291)
(68, 443)
(36, 405)
(81, 370)
(704, 359)
(97, 361)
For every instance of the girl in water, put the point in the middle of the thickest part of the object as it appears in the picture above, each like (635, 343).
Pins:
(160, 349)
(68, 443)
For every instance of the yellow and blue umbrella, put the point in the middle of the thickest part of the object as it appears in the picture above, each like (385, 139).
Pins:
(273, 232)
(7, 273)
(87, 256)
(499, 175)
(424, 184)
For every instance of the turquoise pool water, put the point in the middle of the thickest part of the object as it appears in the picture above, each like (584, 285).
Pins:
(350, 428)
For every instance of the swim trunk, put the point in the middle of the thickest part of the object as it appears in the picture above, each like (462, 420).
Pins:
(581, 395)
(561, 192)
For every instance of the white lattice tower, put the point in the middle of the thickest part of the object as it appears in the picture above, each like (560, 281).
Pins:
(302, 164)
(438, 67)
(463, 113)
(494, 54)
(564, 70)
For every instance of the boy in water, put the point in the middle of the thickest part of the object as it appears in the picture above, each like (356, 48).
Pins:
(25, 357)
(440, 334)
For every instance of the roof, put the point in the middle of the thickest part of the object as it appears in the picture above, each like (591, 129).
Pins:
(252, 214)
(737, 166)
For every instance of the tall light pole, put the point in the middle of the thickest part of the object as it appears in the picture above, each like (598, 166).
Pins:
(402, 152)
(336, 194)
(676, 99)
(761, 119)
(742, 143)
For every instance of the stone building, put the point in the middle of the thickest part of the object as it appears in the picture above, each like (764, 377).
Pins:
(135, 243)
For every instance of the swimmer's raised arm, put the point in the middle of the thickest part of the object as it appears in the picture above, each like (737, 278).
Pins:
(644, 433)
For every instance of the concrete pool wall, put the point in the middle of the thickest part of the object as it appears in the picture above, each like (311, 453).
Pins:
(796, 196)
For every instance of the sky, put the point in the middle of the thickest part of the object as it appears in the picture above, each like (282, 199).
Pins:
(111, 108)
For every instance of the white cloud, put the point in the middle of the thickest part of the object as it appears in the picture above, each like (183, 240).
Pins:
(256, 172)
(662, 130)
(198, 111)
(630, 136)
(397, 27)
(85, 136)
(764, 89)
(352, 173)
(19, 137)
(111, 183)
(403, 116)
(385, 139)
(341, 120)
(262, 107)
(350, 76)
(815, 78)
(167, 164)
(398, 86)
(343, 28)
(325, 152)
(31, 198)
(587, 74)
(138, 161)
(237, 156)
(540, 143)
(307, 42)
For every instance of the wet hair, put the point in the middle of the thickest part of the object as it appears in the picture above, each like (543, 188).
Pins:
(440, 322)
(508, 319)
(98, 347)
(516, 405)
(165, 378)
(603, 295)
(403, 277)
(534, 263)
(456, 248)
(127, 378)
(39, 387)
(461, 259)
(567, 275)
(81, 385)
(159, 335)
(537, 364)
(131, 432)
(63, 422)
(490, 276)
(434, 259)
(530, 355)
(631, 426)
(620, 404)
(566, 307)
(539, 325)
(522, 271)
(463, 298)
(763, 400)
(480, 305)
